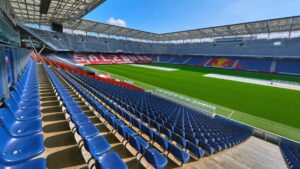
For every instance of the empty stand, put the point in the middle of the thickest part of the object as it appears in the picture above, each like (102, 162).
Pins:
(250, 47)
(263, 65)
(291, 153)
(288, 67)
(21, 124)
(99, 59)
(213, 135)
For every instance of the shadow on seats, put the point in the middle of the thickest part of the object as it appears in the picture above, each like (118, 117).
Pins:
(111, 138)
(134, 164)
(56, 127)
(95, 120)
(122, 151)
(102, 128)
(54, 117)
(53, 98)
(51, 109)
(50, 103)
(60, 140)
(70, 157)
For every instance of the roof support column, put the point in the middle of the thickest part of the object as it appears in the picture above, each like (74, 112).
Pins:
(291, 28)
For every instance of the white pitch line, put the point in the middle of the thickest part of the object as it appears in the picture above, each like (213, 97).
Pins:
(271, 83)
(154, 67)
(231, 114)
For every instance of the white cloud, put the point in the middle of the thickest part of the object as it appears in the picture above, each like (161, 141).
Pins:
(116, 22)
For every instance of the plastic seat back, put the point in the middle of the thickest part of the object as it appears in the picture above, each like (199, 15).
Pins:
(195, 149)
(178, 153)
(6, 117)
(15, 96)
(11, 105)
(110, 161)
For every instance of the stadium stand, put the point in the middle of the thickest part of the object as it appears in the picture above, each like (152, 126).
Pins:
(250, 48)
(196, 61)
(288, 67)
(54, 113)
(263, 65)
(21, 123)
(182, 118)
(95, 144)
(197, 133)
(99, 59)
(281, 66)
(221, 63)
(291, 153)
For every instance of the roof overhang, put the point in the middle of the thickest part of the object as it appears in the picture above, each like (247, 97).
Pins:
(288, 24)
(59, 11)
(69, 12)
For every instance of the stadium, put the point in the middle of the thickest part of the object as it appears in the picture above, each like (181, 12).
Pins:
(77, 93)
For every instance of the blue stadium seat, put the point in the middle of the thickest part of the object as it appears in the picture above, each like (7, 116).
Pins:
(137, 123)
(97, 145)
(155, 158)
(22, 114)
(110, 161)
(19, 128)
(161, 141)
(149, 132)
(181, 155)
(181, 141)
(215, 145)
(166, 131)
(15, 150)
(155, 125)
(88, 130)
(24, 102)
(129, 132)
(206, 147)
(39, 163)
(138, 143)
(80, 119)
(195, 150)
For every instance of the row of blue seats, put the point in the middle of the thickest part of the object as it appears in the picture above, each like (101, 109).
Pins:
(211, 134)
(291, 153)
(152, 155)
(167, 145)
(20, 124)
(181, 155)
(96, 144)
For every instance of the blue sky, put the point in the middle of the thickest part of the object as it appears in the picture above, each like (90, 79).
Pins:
(161, 16)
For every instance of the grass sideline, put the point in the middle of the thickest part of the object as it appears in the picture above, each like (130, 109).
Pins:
(192, 80)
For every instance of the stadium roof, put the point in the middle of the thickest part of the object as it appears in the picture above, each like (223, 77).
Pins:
(69, 12)
(97, 27)
(43, 12)
(288, 24)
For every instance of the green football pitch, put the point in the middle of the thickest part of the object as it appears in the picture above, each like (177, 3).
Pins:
(269, 108)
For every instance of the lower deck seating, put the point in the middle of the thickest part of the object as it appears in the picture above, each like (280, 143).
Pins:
(221, 62)
(151, 154)
(285, 66)
(291, 153)
(263, 65)
(175, 128)
(95, 144)
(200, 61)
(288, 67)
(179, 60)
(21, 124)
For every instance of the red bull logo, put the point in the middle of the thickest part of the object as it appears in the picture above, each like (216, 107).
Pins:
(222, 62)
